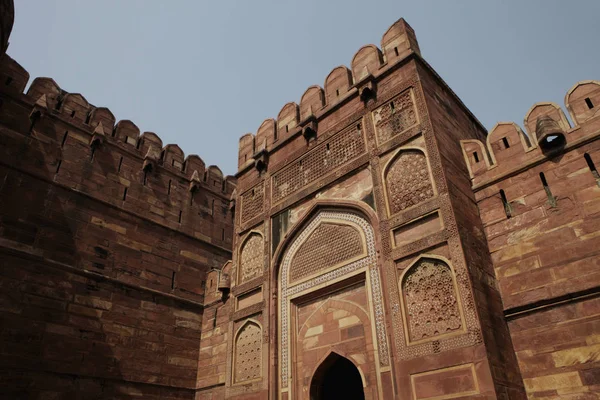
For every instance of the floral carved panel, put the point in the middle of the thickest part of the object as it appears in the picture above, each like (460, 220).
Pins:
(430, 300)
(407, 180)
(251, 258)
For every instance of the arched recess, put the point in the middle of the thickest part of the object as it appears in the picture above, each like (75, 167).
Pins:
(430, 300)
(315, 255)
(344, 213)
(407, 180)
(247, 352)
(251, 257)
(337, 377)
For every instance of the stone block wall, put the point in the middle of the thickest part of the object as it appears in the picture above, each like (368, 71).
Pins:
(380, 141)
(357, 232)
(539, 209)
(106, 242)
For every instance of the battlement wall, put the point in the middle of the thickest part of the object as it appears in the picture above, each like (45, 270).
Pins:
(343, 88)
(508, 149)
(107, 238)
(538, 194)
(111, 161)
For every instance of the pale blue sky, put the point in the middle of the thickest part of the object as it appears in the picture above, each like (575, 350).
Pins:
(201, 74)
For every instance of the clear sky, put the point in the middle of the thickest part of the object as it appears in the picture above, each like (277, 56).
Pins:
(201, 74)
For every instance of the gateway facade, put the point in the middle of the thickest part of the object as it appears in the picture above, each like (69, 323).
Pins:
(382, 244)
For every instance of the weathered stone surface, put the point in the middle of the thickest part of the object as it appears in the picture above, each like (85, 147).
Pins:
(381, 232)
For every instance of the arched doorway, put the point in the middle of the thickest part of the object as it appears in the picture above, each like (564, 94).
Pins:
(336, 378)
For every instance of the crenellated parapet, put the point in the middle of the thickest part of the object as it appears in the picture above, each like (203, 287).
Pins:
(85, 148)
(548, 132)
(341, 86)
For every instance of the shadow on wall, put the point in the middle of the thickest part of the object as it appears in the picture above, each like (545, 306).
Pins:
(67, 329)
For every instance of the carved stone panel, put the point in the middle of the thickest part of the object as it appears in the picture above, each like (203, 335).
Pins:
(252, 202)
(251, 258)
(368, 263)
(317, 252)
(248, 353)
(395, 116)
(430, 300)
(344, 146)
(407, 180)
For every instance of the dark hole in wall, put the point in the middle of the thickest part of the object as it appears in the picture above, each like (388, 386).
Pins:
(589, 103)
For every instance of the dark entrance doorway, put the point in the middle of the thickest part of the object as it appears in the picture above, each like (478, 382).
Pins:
(336, 378)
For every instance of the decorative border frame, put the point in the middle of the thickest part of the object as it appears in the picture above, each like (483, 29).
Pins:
(233, 361)
(461, 311)
(313, 228)
(368, 263)
(384, 171)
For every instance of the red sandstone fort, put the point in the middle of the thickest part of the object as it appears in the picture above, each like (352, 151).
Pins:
(377, 242)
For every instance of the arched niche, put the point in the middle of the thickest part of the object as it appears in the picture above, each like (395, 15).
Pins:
(247, 352)
(407, 180)
(352, 221)
(251, 259)
(544, 109)
(430, 300)
(329, 244)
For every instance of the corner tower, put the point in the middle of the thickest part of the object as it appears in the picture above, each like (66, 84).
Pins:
(358, 244)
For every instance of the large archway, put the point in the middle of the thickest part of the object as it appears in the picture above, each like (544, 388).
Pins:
(329, 297)
(336, 378)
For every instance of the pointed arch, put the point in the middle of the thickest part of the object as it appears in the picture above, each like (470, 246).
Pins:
(403, 189)
(247, 352)
(540, 109)
(340, 305)
(336, 210)
(251, 257)
(431, 304)
(318, 206)
(325, 364)
(327, 245)
(583, 101)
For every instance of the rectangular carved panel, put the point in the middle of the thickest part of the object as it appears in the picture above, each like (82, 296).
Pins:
(252, 202)
(344, 146)
(445, 383)
(394, 117)
(417, 229)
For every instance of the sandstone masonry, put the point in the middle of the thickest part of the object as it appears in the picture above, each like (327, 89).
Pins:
(376, 242)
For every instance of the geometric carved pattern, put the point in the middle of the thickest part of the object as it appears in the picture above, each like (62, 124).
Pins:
(252, 202)
(248, 353)
(430, 300)
(328, 245)
(394, 117)
(344, 146)
(251, 258)
(369, 263)
(407, 180)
